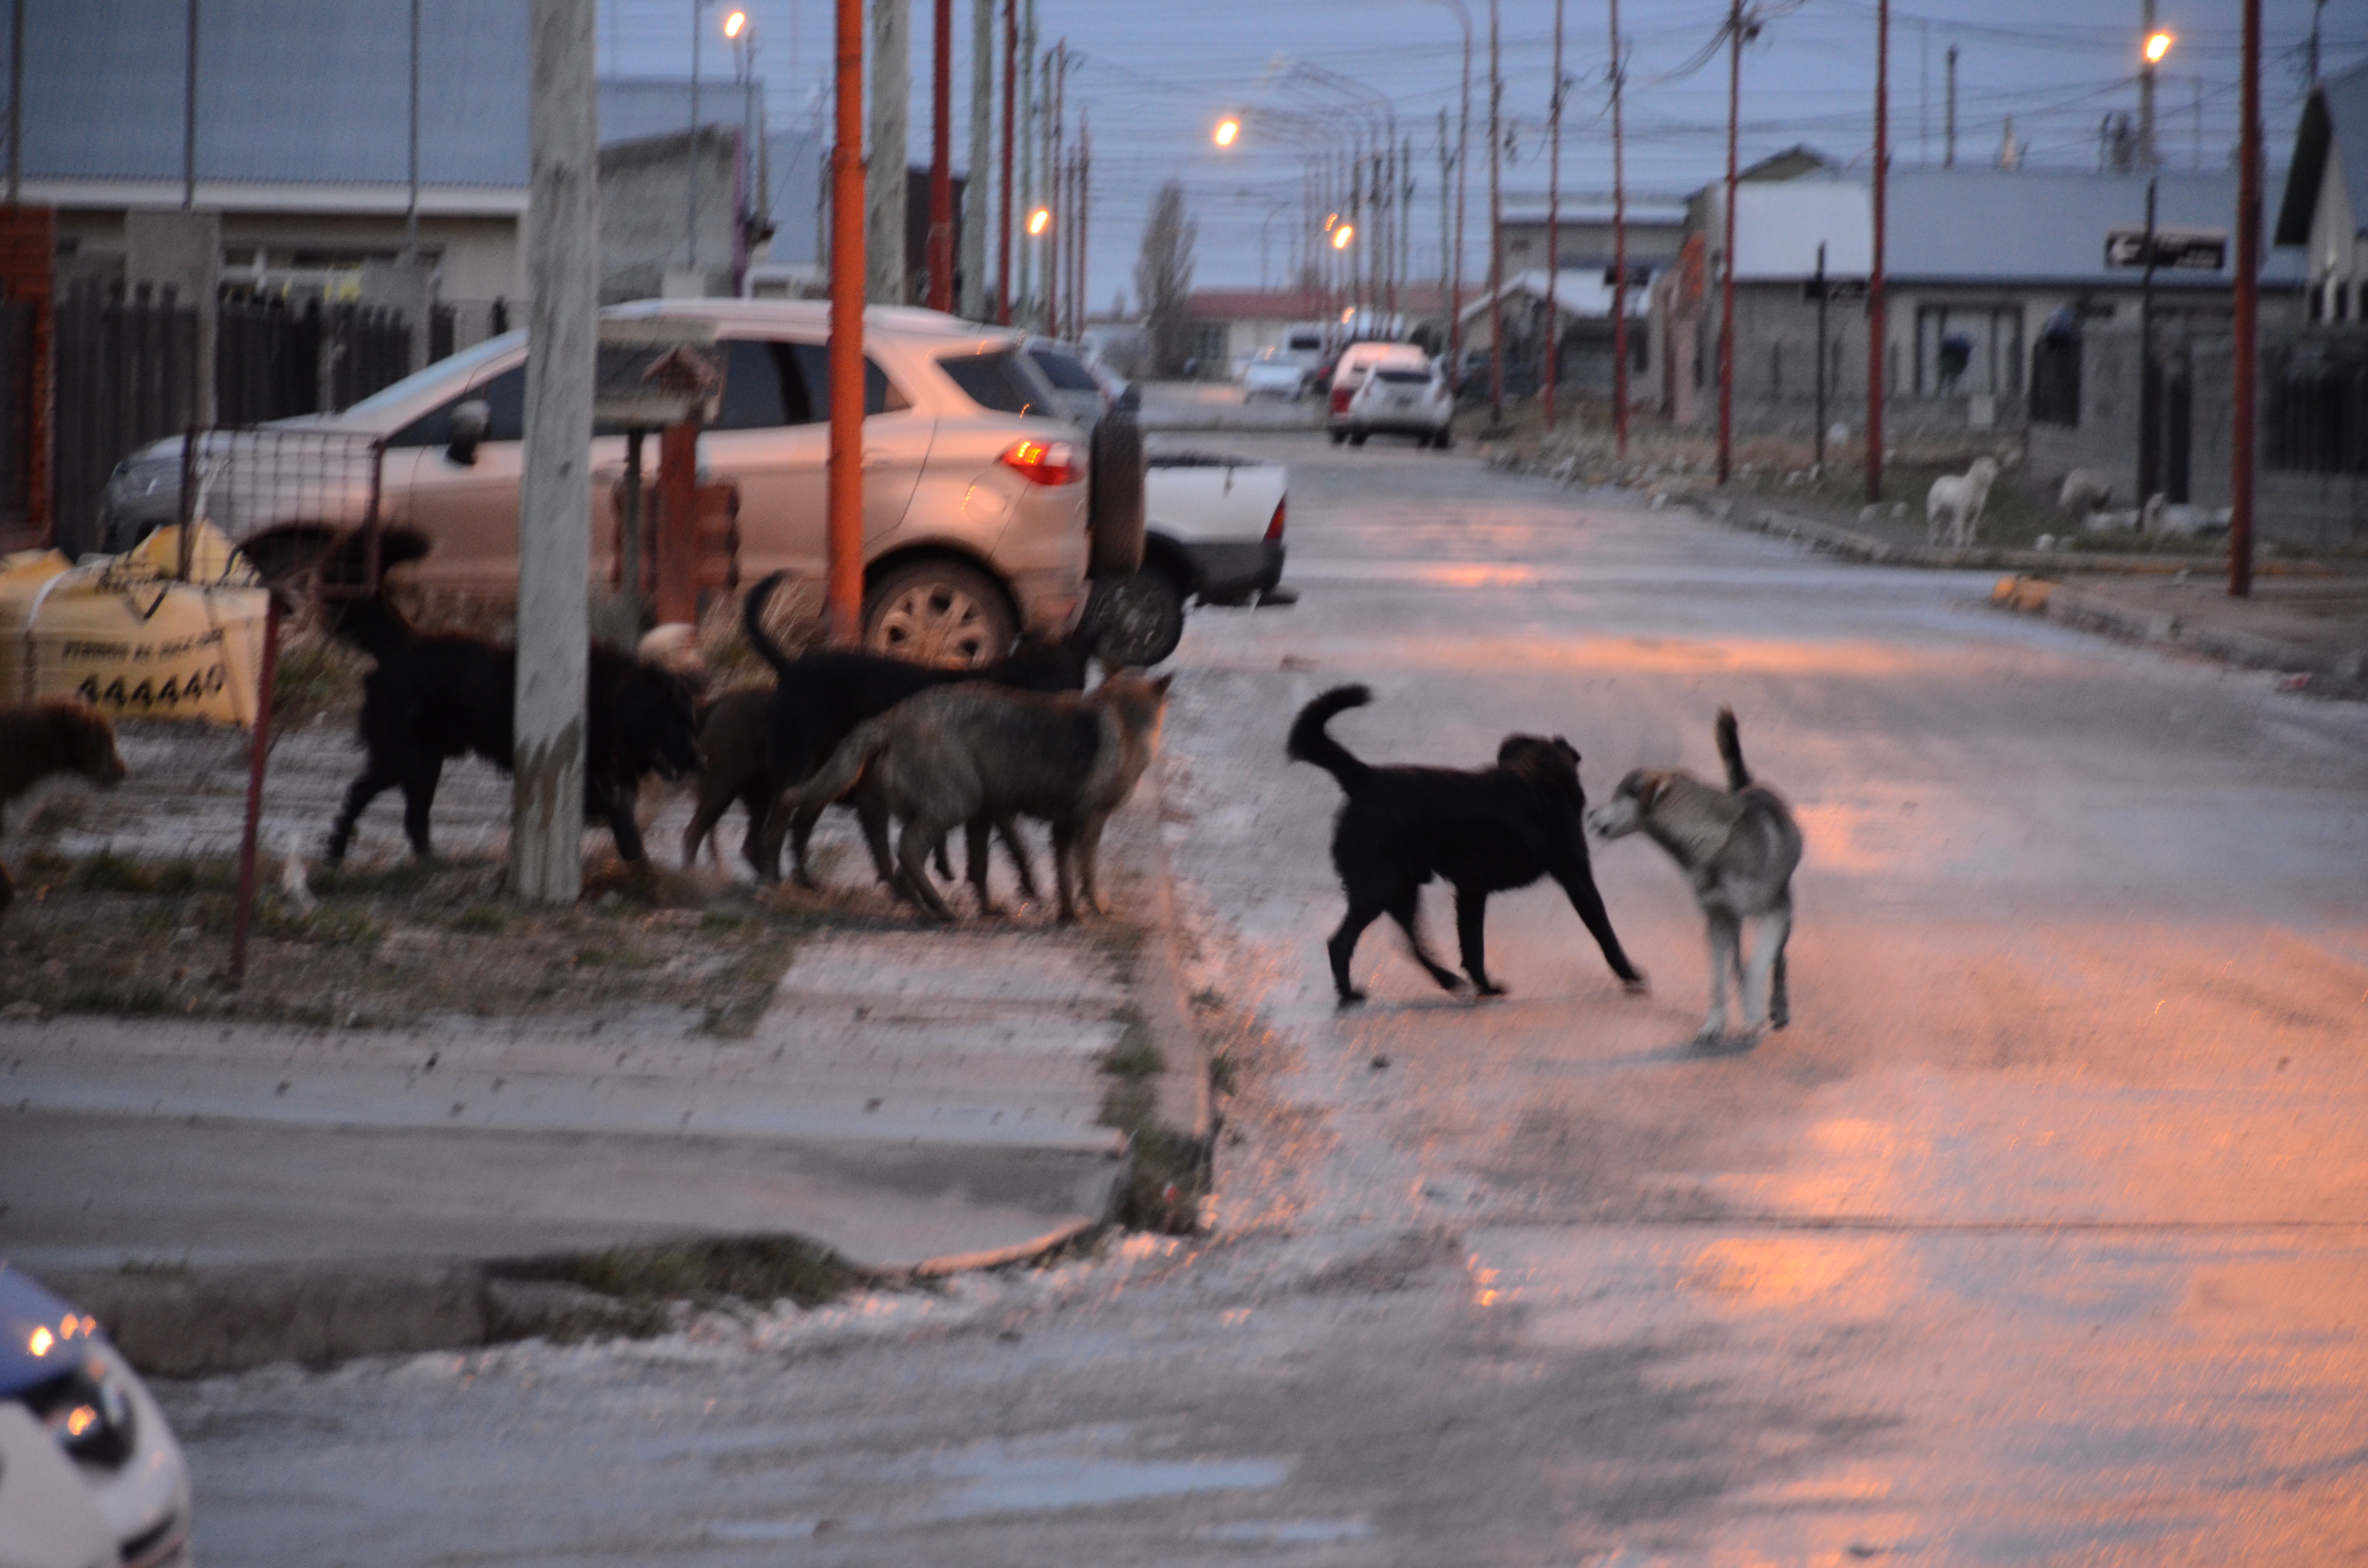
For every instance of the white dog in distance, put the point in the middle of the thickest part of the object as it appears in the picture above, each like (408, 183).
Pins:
(1959, 498)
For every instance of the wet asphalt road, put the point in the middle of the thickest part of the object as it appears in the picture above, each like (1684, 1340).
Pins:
(2042, 1236)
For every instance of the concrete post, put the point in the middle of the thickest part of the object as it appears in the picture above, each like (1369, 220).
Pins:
(408, 287)
(554, 539)
(884, 189)
(182, 248)
(977, 196)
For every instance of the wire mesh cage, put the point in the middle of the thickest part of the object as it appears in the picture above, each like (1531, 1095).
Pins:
(283, 497)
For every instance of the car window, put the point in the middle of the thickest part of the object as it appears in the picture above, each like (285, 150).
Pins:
(805, 367)
(1404, 378)
(1063, 373)
(752, 389)
(505, 395)
(460, 366)
(1002, 380)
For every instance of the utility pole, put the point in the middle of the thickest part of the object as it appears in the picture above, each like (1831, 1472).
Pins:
(1726, 248)
(17, 104)
(2248, 267)
(188, 113)
(690, 191)
(1619, 246)
(1495, 225)
(941, 157)
(883, 197)
(411, 206)
(1819, 463)
(2149, 413)
(1949, 124)
(1010, 111)
(1553, 221)
(976, 193)
(1085, 219)
(555, 547)
(1446, 233)
(1877, 325)
(1031, 116)
(1057, 89)
(1462, 166)
(845, 476)
(2145, 101)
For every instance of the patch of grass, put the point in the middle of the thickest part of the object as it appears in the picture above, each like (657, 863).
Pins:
(57, 816)
(1135, 1058)
(761, 1269)
(723, 920)
(483, 919)
(1209, 996)
(108, 872)
(1223, 1078)
(322, 929)
(133, 999)
(315, 675)
(1170, 1177)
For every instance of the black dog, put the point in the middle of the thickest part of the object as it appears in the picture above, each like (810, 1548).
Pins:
(438, 696)
(1483, 830)
(821, 698)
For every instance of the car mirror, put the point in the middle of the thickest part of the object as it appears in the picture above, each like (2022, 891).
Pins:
(470, 420)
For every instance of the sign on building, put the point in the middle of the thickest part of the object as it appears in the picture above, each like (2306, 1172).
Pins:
(2180, 250)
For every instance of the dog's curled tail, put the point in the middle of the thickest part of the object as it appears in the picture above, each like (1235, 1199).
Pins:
(751, 622)
(1309, 743)
(837, 776)
(357, 610)
(1730, 751)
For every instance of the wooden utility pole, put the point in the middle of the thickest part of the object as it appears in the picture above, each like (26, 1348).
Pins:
(1553, 221)
(2248, 270)
(884, 201)
(1079, 311)
(1949, 116)
(845, 539)
(1056, 93)
(1877, 322)
(1619, 246)
(1727, 246)
(555, 547)
(1010, 108)
(975, 193)
(941, 157)
(1495, 225)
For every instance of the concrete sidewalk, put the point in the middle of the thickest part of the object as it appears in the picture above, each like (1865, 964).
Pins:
(912, 1100)
(2312, 629)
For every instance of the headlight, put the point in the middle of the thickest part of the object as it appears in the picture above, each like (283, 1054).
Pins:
(89, 1411)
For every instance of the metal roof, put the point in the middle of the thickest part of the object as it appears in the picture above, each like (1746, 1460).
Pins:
(304, 92)
(2336, 117)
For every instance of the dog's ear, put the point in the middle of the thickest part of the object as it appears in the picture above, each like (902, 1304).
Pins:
(1567, 750)
(1159, 687)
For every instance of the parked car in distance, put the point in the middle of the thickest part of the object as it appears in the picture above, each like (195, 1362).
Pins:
(1402, 400)
(1356, 361)
(1213, 534)
(90, 1476)
(1271, 373)
(974, 483)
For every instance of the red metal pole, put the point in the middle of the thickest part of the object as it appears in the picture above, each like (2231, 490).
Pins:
(2248, 267)
(847, 263)
(1010, 109)
(1877, 322)
(1619, 248)
(1554, 222)
(257, 757)
(941, 164)
(1726, 258)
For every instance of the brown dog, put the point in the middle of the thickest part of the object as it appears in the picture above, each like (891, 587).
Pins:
(66, 736)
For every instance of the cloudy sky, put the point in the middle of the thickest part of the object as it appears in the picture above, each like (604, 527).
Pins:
(1155, 78)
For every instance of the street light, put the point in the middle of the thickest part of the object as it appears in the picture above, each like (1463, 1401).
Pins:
(1227, 128)
(1039, 221)
(1342, 234)
(2157, 46)
(734, 23)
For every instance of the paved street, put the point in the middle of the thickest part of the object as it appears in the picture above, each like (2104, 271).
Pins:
(2042, 1236)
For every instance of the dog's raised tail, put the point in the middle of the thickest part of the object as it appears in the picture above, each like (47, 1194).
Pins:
(1310, 743)
(751, 622)
(1730, 751)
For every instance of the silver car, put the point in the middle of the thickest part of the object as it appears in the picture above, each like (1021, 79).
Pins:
(975, 481)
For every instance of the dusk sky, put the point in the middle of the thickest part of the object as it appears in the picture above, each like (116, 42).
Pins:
(1154, 80)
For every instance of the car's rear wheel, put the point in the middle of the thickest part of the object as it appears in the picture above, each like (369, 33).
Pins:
(944, 613)
(1338, 437)
(1442, 439)
(1138, 620)
(1357, 437)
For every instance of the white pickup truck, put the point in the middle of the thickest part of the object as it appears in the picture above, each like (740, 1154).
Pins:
(1212, 533)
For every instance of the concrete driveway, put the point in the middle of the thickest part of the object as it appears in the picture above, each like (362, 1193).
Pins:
(2042, 1236)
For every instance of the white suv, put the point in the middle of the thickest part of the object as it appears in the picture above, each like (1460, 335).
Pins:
(974, 483)
(1402, 400)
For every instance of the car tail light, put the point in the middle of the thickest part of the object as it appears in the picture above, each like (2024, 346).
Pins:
(1339, 400)
(1044, 462)
(1274, 524)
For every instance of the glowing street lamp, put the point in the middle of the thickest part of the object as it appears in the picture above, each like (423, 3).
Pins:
(734, 23)
(2157, 46)
(1039, 221)
(1342, 236)
(1227, 128)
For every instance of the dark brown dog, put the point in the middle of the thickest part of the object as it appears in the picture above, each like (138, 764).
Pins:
(68, 736)
(732, 752)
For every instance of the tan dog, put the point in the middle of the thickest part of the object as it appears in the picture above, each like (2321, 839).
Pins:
(1738, 846)
(66, 736)
(977, 754)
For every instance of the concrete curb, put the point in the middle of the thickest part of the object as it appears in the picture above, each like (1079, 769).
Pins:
(1184, 1101)
(2088, 610)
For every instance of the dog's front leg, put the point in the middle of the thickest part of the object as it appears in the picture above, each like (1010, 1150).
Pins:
(1089, 848)
(419, 803)
(1008, 831)
(1579, 885)
(977, 841)
(1725, 942)
(1065, 844)
(1471, 940)
(375, 781)
(913, 846)
(615, 805)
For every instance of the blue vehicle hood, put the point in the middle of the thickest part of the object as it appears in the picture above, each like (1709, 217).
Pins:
(25, 1308)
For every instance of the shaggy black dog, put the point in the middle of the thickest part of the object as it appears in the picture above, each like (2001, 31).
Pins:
(438, 696)
(821, 698)
(1483, 830)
